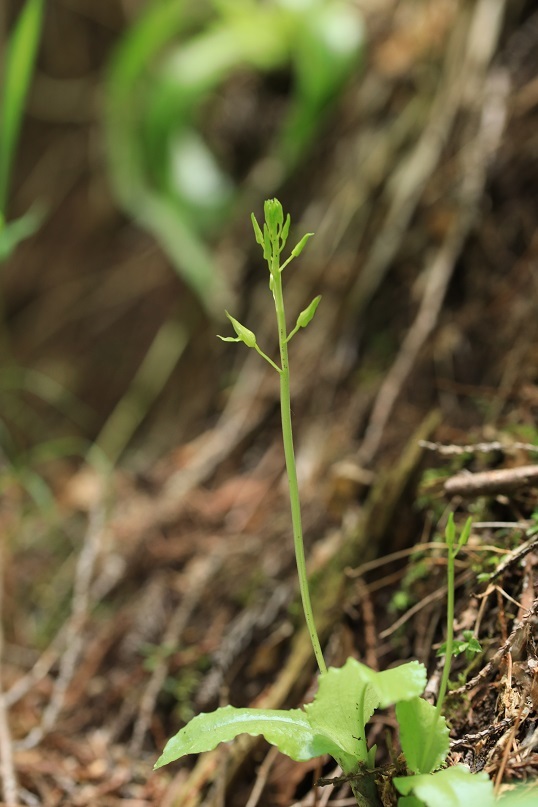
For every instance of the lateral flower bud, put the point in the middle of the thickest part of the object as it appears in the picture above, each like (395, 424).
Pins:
(306, 316)
(296, 251)
(284, 232)
(257, 231)
(244, 335)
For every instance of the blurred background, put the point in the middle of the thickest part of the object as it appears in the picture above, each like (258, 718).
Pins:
(149, 133)
(136, 138)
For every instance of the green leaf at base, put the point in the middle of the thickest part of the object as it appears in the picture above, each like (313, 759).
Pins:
(423, 735)
(347, 698)
(397, 684)
(333, 724)
(289, 730)
(452, 787)
(344, 703)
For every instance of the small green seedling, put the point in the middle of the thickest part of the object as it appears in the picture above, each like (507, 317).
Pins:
(453, 547)
(468, 645)
(335, 722)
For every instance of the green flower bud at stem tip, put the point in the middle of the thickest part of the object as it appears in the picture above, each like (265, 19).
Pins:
(296, 251)
(246, 336)
(274, 216)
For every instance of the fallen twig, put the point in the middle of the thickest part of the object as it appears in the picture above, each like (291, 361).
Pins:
(199, 575)
(506, 647)
(73, 635)
(450, 449)
(7, 766)
(491, 482)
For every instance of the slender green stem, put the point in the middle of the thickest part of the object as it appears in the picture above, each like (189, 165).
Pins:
(267, 359)
(365, 790)
(449, 629)
(292, 333)
(287, 434)
(451, 557)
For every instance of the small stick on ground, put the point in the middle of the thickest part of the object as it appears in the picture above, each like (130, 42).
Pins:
(200, 575)
(74, 630)
(450, 450)
(508, 747)
(491, 482)
(261, 778)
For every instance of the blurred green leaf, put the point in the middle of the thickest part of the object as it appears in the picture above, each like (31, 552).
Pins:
(327, 52)
(167, 67)
(17, 73)
(14, 232)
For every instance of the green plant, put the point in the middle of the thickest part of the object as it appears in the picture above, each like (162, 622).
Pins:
(453, 548)
(335, 722)
(23, 452)
(17, 463)
(272, 241)
(468, 645)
